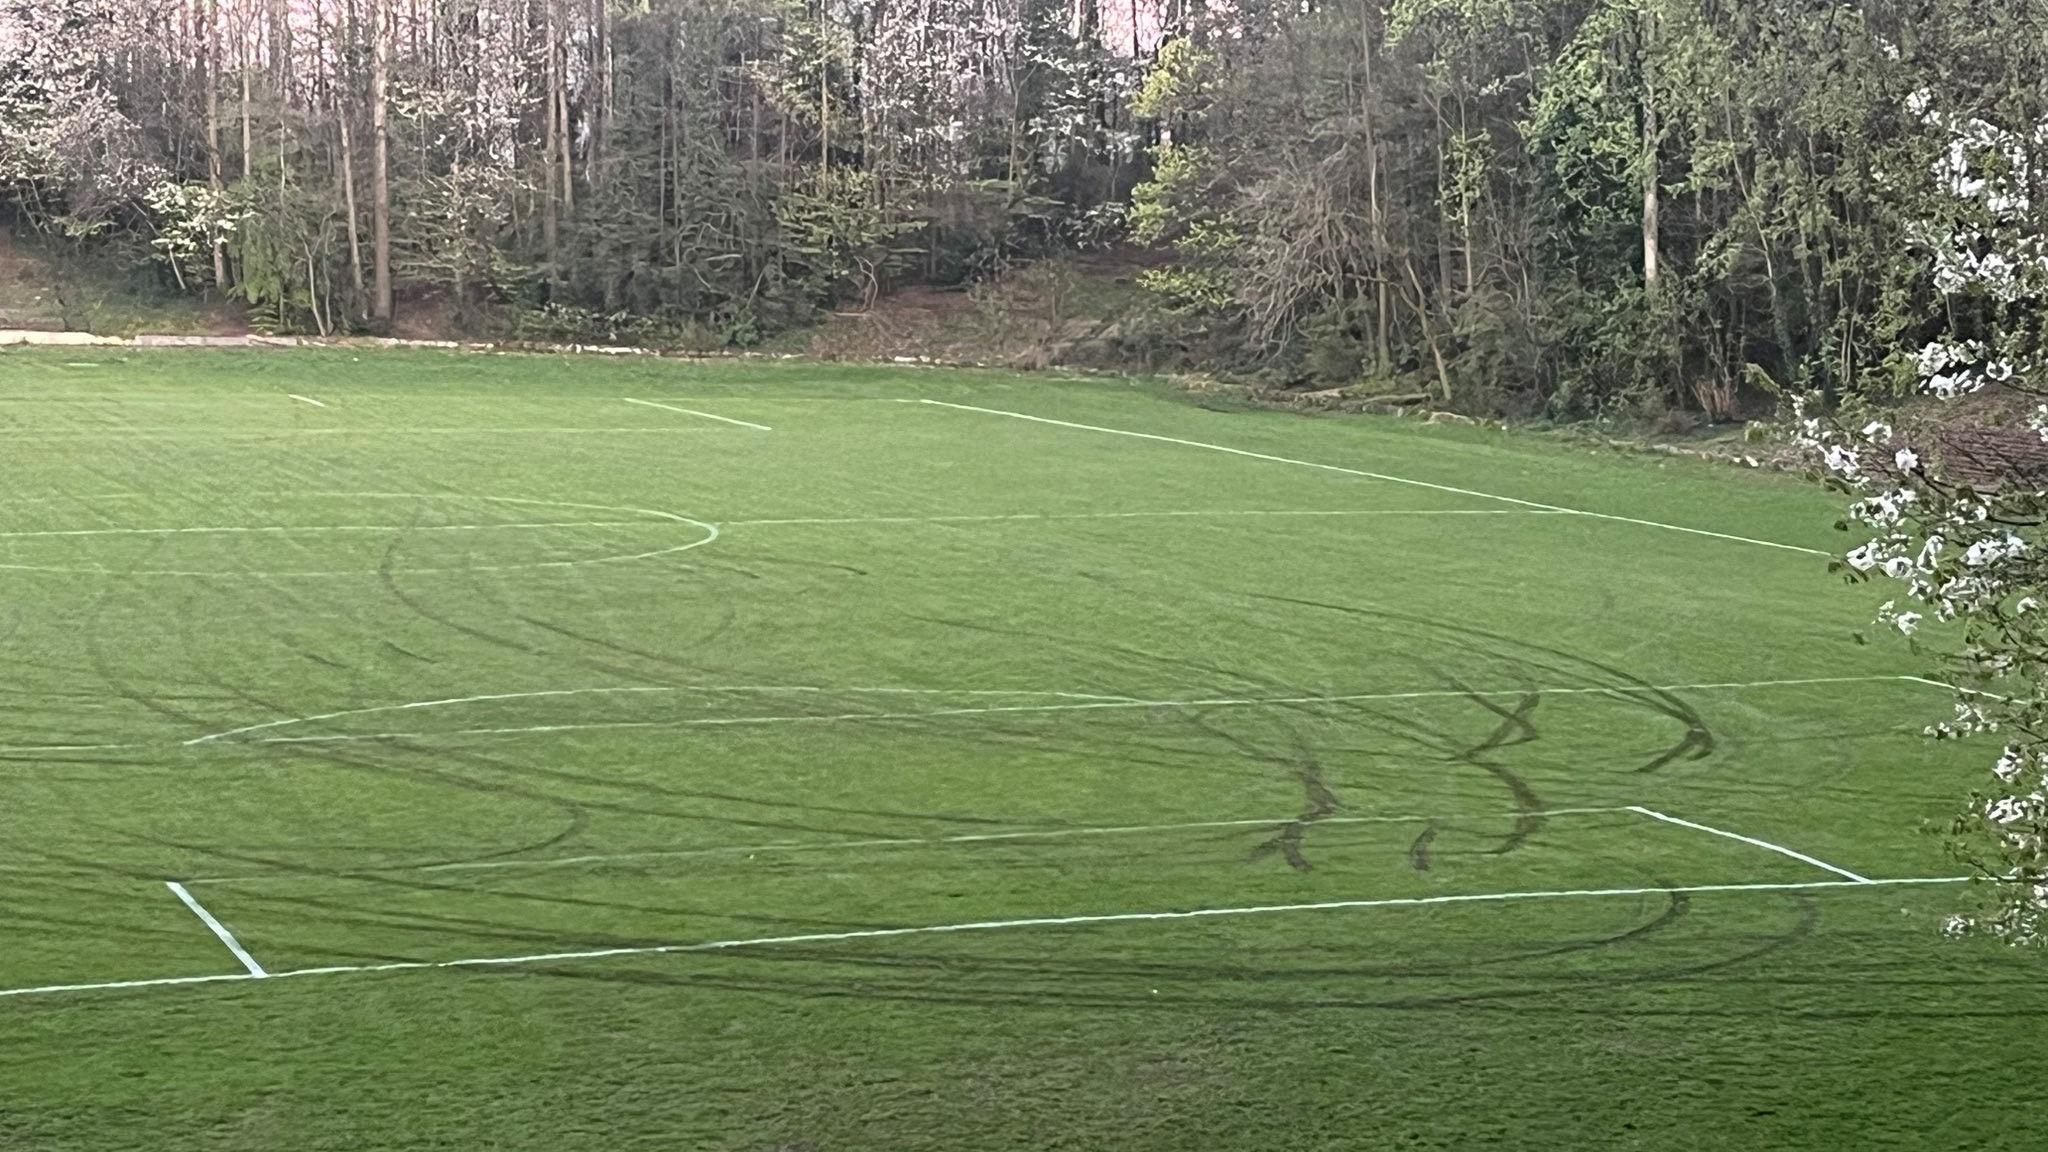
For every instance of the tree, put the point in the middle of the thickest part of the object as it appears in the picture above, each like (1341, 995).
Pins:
(1957, 533)
(381, 35)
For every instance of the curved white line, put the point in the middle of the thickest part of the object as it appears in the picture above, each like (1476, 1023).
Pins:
(1081, 702)
(82, 498)
(454, 701)
(451, 701)
(710, 529)
(281, 529)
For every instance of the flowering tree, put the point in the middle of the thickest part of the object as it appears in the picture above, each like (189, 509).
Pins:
(1958, 541)
(66, 148)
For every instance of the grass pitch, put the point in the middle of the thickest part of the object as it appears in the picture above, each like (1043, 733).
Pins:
(426, 751)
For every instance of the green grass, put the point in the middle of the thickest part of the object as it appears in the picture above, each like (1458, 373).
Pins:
(701, 744)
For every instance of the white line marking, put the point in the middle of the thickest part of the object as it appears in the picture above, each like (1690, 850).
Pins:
(1377, 476)
(55, 437)
(710, 534)
(995, 925)
(219, 929)
(110, 985)
(453, 700)
(1141, 515)
(31, 748)
(305, 400)
(694, 412)
(939, 713)
(1780, 849)
(294, 528)
(893, 842)
(663, 689)
(81, 498)
(1960, 689)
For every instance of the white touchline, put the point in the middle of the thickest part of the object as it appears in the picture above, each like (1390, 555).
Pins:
(1375, 476)
(896, 842)
(989, 926)
(1780, 849)
(219, 929)
(1092, 705)
(969, 519)
(694, 412)
(1960, 689)
(305, 400)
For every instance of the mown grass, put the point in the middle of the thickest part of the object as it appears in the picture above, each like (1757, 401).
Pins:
(1045, 668)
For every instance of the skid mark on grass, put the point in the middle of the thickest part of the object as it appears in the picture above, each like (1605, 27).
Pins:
(1321, 804)
(1515, 729)
(1418, 852)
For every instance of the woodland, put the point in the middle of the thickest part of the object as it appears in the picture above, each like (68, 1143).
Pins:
(1518, 207)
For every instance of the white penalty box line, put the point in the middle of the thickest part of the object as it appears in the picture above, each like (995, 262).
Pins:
(547, 863)
(1381, 476)
(695, 412)
(219, 929)
(255, 970)
(1766, 845)
(976, 926)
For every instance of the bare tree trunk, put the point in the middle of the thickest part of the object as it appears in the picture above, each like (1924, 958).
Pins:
(313, 294)
(562, 109)
(380, 171)
(341, 94)
(1465, 197)
(281, 80)
(248, 144)
(1650, 209)
(550, 228)
(343, 113)
(215, 168)
(567, 136)
(281, 54)
(754, 124)
(824, 107)
(1436, 352)
(1651, 165)
(1381, 345)
(601, 76)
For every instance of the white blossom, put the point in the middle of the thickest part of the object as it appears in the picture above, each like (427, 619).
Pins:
(1951, 549)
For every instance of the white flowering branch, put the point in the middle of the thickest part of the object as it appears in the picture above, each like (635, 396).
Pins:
(1966, 549)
